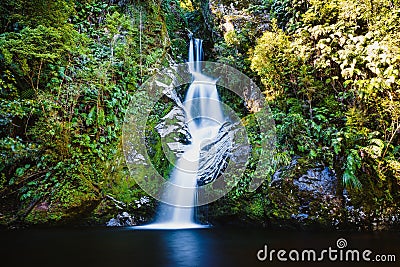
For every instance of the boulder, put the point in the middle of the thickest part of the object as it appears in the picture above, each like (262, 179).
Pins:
(174, 131)
(305, 197)
(173, 128)
(218, 152)
(122, 219)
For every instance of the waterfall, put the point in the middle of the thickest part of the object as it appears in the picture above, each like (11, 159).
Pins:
(204, 118)
(191, 50)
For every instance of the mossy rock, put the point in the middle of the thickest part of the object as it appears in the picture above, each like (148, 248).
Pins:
(68, 205)
(304, 195)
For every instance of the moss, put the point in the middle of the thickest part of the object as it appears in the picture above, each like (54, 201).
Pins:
(61, 210)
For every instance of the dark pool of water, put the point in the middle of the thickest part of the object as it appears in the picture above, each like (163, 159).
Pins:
(125, 247)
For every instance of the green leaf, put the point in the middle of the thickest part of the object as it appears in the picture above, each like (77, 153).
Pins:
(91, 116)
(20, 171)
(100, 117)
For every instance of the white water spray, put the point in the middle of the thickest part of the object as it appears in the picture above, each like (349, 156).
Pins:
(204, 118)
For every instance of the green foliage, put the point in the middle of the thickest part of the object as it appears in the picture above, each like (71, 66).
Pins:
(256, 208)
(270, 61)
(29, 53)
(176, 25)
(68, 69)
(15, 15)
(66, 76)
(353, 162)
(288, 13)
(333, 83)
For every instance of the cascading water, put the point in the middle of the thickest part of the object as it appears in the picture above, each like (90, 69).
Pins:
(204, 118)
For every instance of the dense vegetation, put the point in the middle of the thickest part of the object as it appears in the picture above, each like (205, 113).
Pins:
(330, 73)
(68, 69)
(334, 76)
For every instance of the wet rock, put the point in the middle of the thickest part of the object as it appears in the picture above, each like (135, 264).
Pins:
(305, 197)
(143, 201)
(317, 181)
(300, 217)
(214, 157)
(362, 213)
(216, 154)
(122, 219)
(174, 131)
(113, 223)
(173, 128)
(138, 211)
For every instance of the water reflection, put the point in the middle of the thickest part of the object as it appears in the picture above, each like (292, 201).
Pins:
(127, 247)
(188, 248)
